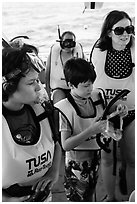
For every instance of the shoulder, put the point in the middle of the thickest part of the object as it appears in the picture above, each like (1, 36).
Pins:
(62, 103)
(98, 94)
(98, 53)
(55, 48)
(97, 91)
(79, 48)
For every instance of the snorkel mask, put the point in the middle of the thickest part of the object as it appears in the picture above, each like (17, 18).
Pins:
(67, 43)
(32, 61)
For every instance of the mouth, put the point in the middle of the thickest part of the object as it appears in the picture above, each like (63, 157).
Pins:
(124, 39)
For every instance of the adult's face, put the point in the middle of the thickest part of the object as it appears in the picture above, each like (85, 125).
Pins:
(66, 37)
(119, 42)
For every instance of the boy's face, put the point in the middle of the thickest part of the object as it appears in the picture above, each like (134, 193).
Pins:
(83, 89)
(28, 88)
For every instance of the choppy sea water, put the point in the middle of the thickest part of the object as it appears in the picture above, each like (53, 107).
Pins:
(39, 21)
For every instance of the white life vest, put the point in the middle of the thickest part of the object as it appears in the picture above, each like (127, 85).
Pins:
(26, 164)
(113, 86)
(78, 123)
(57, 78)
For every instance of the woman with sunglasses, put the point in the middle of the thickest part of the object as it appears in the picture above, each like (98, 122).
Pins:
(30, 151)
(67, 48)
(113, 56)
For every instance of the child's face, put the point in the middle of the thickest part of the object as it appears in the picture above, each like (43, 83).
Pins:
(83, 89)
(28, 89)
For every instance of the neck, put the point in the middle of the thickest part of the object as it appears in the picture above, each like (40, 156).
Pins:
(14, 106)
(77, 96)
(118, 47)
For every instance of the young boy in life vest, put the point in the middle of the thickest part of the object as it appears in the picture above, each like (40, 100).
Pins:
(30, 150)
(79, 124)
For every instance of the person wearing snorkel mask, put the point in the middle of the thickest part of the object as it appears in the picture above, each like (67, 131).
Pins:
(66, 49)
(30, 152)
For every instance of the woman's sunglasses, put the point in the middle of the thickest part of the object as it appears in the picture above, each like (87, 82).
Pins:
(120, 30)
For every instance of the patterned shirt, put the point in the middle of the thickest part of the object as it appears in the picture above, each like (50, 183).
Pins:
(118, 63)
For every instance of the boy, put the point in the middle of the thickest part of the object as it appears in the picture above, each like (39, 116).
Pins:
(79, 124)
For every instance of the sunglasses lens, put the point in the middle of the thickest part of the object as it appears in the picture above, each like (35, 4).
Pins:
(130, 29)
(119, 30)
(68, 43)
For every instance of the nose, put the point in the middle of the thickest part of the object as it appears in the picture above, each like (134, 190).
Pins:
(125, 32)
(90, 87)
(38, 88)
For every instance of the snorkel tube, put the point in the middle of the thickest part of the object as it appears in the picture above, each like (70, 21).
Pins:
(59, 32)
(104, 143)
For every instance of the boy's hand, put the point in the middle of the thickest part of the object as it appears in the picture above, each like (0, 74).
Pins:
(99, 126)
(122, 110)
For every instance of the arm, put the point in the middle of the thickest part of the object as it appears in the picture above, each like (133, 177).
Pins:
(98, 59)
(69, 142)
(56, 158)
(7, 198)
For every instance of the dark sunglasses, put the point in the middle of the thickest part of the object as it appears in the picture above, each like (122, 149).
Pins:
(68, 43)
(120, 30)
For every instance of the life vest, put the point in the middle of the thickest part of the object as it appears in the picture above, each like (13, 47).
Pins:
(57, 79)
(26, 164)
(113, 86)
(79, 124)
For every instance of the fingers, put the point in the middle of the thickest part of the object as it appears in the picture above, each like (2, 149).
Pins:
(24, 198)
(40, 186)
(123, 110)
(46, 186)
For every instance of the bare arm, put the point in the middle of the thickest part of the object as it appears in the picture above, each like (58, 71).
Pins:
(7, 198)
(69, 142)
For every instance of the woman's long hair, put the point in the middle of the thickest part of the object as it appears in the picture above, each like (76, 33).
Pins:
(105, 42)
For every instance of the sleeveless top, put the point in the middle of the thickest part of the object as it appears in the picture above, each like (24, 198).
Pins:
(25, 164)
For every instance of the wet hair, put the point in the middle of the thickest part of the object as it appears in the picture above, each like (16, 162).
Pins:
(78, 70)
(69, 33)
(15, 65)
(62, 36)
(113, 17)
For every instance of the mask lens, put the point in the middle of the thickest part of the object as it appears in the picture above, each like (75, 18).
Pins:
(37, 63)
(68, 43)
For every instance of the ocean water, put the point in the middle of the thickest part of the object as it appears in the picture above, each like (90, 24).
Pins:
(39, 21)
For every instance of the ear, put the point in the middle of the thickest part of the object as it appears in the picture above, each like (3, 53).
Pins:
(71, 86)
(109, 33)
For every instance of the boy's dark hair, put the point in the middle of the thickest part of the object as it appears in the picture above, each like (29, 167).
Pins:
(15, 62)
(78, 70)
